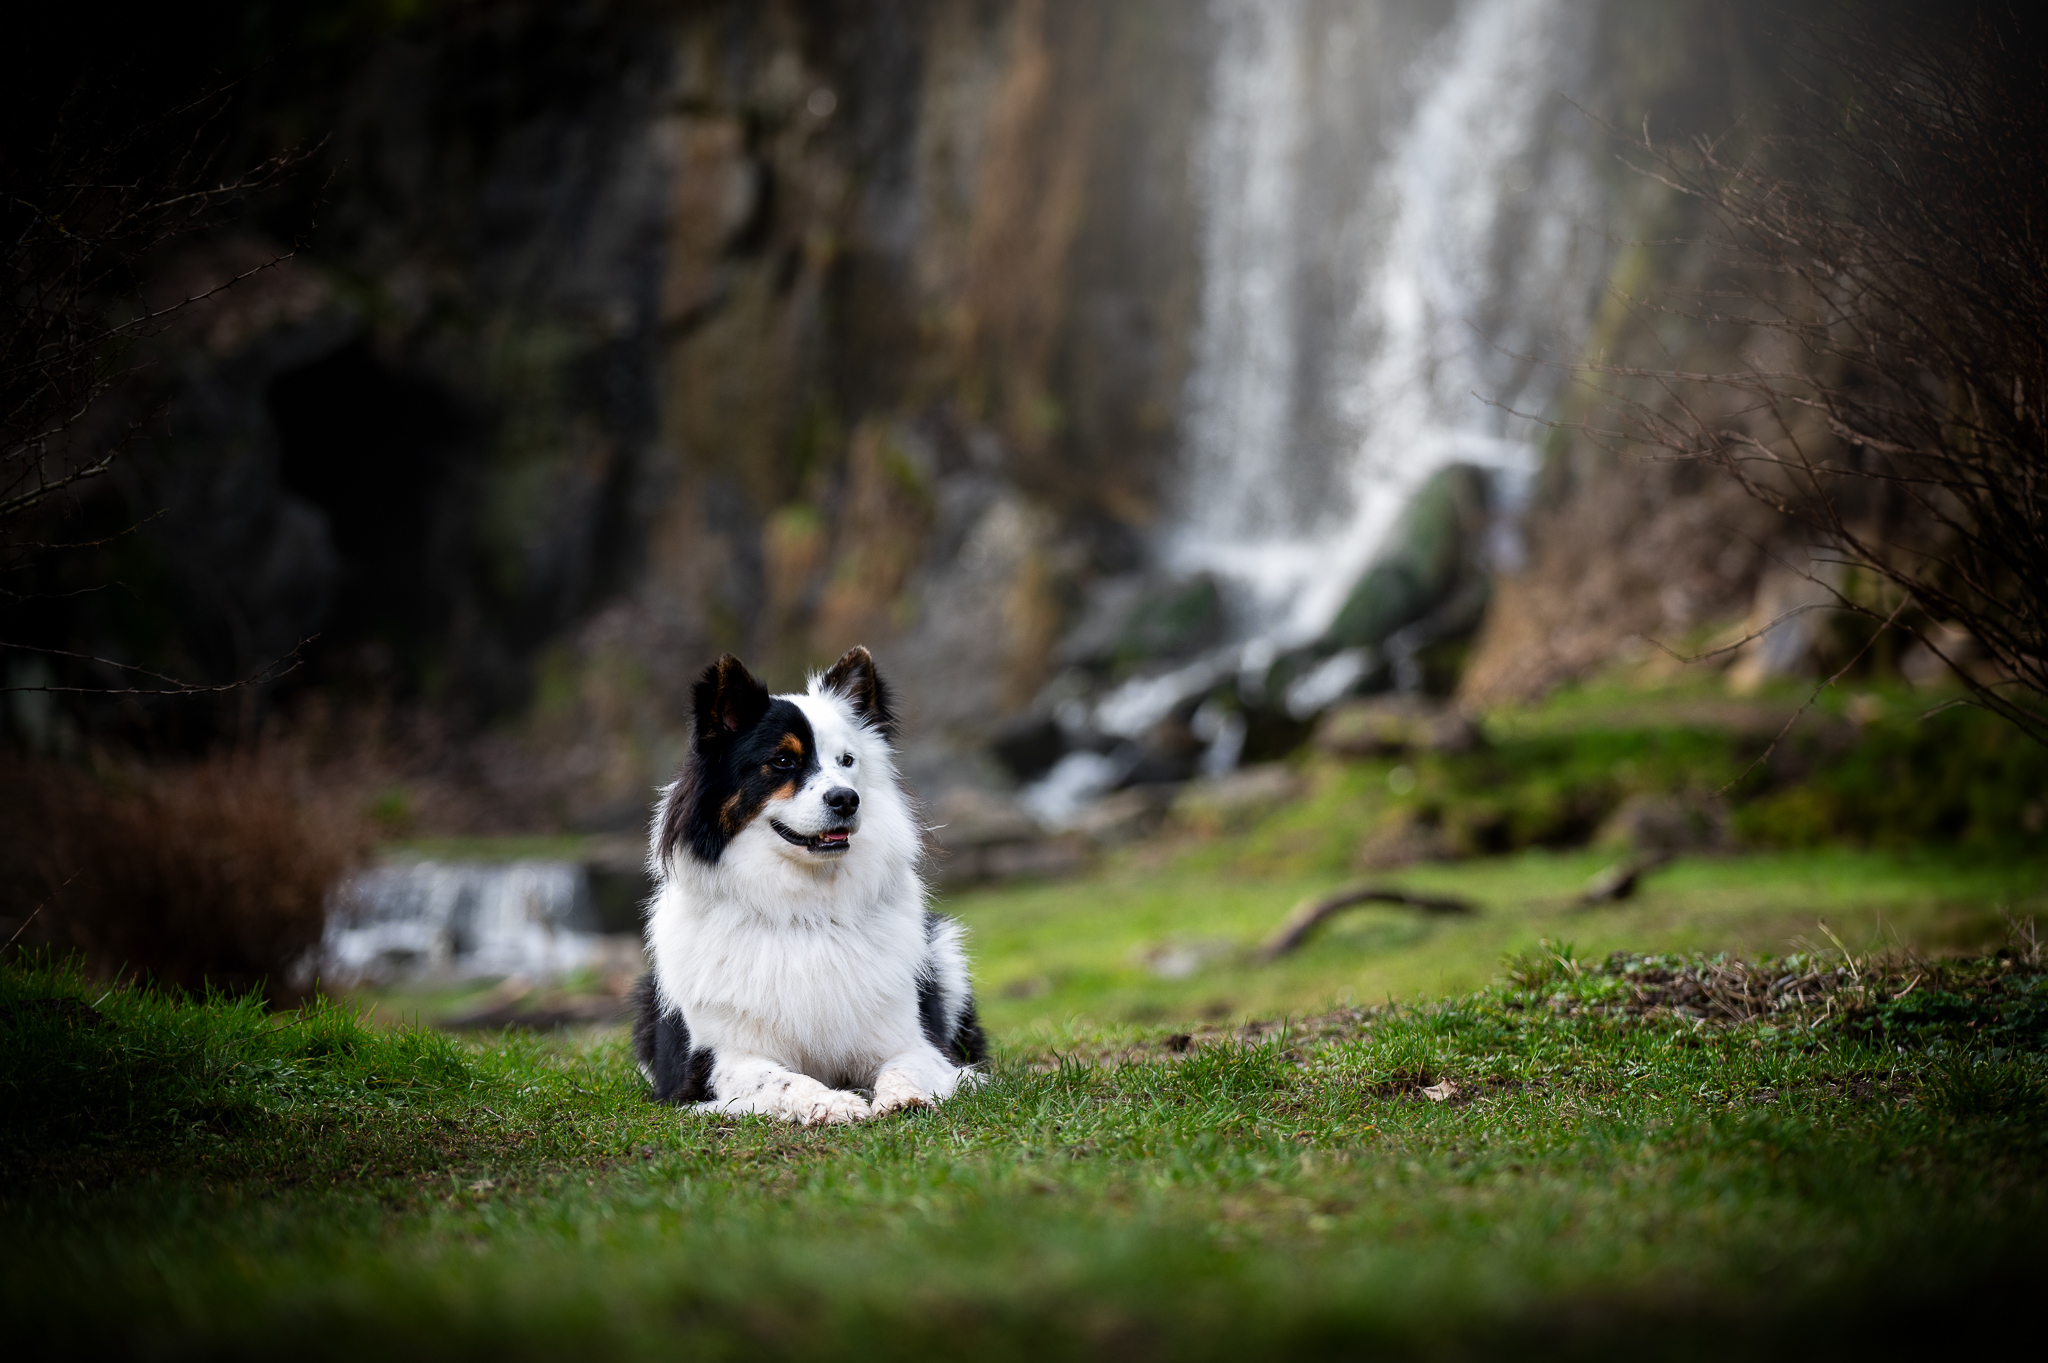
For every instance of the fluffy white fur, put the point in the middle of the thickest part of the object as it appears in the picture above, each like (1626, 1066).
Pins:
(800, 972)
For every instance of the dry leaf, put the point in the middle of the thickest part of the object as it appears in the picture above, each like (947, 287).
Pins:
(1441, 1093)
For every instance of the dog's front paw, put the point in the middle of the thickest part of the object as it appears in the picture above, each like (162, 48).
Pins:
(835, 1107)
(896, 1090)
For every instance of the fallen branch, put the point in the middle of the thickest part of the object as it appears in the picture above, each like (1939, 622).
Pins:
(1311, 912)
(1620, 880)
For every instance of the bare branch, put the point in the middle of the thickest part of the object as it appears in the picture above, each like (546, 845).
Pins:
(279, 667)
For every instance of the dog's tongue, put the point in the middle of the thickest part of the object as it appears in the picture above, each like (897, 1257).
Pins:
(832, 837)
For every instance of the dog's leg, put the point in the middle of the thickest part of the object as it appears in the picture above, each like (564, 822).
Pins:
(757, 1084)
(919, 1078)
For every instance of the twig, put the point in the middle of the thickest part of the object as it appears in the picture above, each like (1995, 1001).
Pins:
(1751, 637)
(1807, 704)
(40, 907)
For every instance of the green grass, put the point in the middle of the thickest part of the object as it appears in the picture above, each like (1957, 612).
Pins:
(1901, 833)
(1147, 1175)
(1077, 956)
(198, 1180)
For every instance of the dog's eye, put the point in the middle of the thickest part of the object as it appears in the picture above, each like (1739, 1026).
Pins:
(782, 761)
(846, 759)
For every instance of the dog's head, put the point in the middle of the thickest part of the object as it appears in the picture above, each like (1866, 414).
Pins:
(797, 766)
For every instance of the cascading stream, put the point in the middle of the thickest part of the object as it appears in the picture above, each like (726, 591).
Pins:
(1398, 227)
(460, 920)
(1349, 346)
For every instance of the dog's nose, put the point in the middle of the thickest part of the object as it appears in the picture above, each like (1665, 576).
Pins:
(842, 800)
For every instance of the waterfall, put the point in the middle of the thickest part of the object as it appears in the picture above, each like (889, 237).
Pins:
(1240, 413)
(1377, 266)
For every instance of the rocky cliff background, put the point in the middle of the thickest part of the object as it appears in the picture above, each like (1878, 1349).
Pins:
(624, 334)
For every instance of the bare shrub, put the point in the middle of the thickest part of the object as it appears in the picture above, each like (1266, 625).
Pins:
(1883, 248)
(211, 874)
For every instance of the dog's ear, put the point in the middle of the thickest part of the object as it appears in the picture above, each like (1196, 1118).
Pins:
(855, 678)
(726, 700)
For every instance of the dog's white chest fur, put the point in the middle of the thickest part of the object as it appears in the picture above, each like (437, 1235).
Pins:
(826, 988)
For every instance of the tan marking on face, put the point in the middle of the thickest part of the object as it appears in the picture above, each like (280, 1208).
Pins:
(729, 812)
(785, 791)
(792, 745)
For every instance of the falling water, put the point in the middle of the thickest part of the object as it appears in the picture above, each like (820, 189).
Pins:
(1240, 416)
(1349, 346)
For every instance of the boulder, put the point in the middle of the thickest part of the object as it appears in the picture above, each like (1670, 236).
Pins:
(1403, 838)
(1427, 589)
(1133, 622)
(1435, 549)
(1666, 824)
(1384, 726)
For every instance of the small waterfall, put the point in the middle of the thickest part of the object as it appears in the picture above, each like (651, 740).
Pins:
(1377, 266)
(460, 920)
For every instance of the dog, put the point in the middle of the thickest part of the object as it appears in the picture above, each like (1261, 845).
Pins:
(794, 960)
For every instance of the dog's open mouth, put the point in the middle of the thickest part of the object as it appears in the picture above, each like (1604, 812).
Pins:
(829, 841)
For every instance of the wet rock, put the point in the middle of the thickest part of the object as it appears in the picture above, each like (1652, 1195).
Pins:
(1788, 620)
(1433, 551)
(1404, 623)
(1134, 621)
(620, 885)
(1029, 745)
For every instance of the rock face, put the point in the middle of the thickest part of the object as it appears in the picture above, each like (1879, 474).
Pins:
(634, 333)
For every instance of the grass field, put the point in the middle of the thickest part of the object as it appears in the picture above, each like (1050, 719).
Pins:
(1145, 944)
(202, 1180)
(1416, 1136)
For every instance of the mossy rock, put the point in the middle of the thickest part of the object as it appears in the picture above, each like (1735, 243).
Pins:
(1177, 621)
(1432, 551)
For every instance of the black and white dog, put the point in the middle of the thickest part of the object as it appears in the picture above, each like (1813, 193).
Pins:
(794, 959)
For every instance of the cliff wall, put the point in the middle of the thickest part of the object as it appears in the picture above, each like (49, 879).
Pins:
(632, 332)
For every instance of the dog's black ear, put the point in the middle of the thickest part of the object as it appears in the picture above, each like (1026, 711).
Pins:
(855, 678)
(726, 700)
